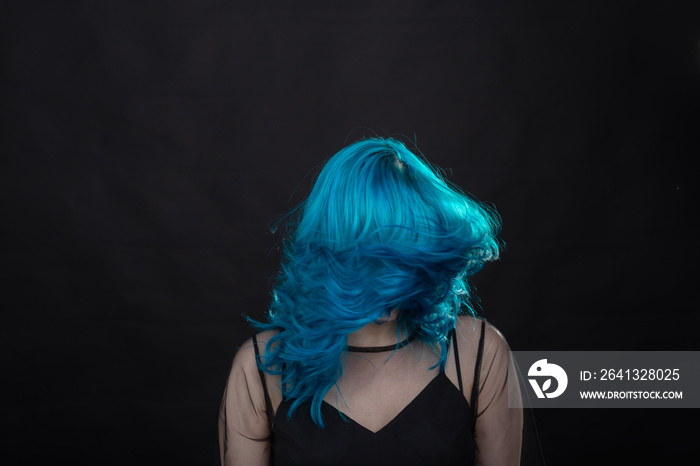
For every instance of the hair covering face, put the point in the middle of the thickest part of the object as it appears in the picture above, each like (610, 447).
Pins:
(380, 230)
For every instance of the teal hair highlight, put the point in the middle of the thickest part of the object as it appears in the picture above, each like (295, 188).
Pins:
(381, 229)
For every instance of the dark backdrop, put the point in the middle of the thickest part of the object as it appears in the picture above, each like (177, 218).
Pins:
(148, 145)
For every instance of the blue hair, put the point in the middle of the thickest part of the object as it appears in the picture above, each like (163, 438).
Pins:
(381, 230)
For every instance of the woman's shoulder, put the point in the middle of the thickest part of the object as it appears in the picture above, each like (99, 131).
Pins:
(469, 331)
(246, 354)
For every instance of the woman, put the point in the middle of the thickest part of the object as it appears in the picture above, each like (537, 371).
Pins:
(371, 353)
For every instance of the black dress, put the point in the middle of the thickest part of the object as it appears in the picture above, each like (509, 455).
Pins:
(435, 428)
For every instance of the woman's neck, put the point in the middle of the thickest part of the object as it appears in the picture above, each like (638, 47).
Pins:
(377, 334)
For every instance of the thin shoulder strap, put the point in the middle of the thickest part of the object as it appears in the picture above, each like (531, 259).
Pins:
(268, 403)
(459, 369)
(477, 369)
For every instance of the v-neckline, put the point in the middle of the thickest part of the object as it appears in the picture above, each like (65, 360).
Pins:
(400, 414)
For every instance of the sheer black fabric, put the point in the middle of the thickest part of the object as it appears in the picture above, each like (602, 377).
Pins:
(399, 407)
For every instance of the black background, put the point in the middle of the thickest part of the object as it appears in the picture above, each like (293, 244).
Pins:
(147, 146)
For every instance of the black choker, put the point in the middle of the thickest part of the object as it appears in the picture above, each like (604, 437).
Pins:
(381, 349)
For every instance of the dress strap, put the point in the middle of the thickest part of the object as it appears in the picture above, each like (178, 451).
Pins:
(477, 369)
(459, 370)
(268, 403)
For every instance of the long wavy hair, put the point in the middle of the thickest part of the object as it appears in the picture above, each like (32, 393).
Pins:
(382, 229)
